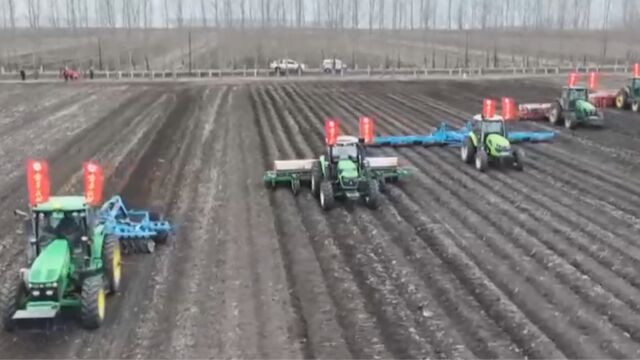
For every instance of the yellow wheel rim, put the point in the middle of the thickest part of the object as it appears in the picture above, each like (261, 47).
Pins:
(619, 101)
(117, 265)
(101, 304)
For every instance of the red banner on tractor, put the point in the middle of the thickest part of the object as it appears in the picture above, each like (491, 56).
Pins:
(488, 108)
(636, 70)
(93, 183)
(38, 181)
(573, 79)
(366, 129)
(593, 80)
(331, 131)
(509, 109)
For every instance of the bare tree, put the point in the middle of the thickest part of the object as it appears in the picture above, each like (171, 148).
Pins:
(228, 13)
(354, 12)
(242, 13)
(5, 21)
(179, 14)
(372, 10)
(33, 11)
(484, 14)
(12, 14)
(562, 9)
(449, 12)
(381, 12)
(203, 13)
(462, 5)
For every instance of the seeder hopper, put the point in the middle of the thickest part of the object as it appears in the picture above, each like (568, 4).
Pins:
(344, 170)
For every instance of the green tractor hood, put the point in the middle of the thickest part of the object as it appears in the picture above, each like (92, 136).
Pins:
(52, 263)
(498, 145)
(585, 107)
(347, 169)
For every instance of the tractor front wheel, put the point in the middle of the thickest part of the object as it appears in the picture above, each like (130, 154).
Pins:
(570, 122)
(621, 100)
(112, 260)
(12, 295)
(635, 106)
(372, 199)
(92, 302)
(316, 178)
(468, 150)
(326, 195)
(518, 157)
(482, 160)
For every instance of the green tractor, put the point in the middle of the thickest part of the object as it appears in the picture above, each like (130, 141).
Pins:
(71, 261)
(573, 108)
(344, 171)
(629, 96)
(487, 142)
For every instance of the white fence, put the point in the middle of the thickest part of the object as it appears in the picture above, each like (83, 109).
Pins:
(368, 72)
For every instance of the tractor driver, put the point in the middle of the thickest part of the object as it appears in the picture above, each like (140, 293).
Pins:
(68, 228)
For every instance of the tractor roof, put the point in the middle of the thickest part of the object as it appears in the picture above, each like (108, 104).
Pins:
(346, 140)
(577, 87)
(478, 117)
(63, 203)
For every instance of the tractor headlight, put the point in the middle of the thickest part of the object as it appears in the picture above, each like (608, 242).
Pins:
(49, 292)
(35, 292)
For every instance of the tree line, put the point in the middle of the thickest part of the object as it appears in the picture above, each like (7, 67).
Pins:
(333, 14)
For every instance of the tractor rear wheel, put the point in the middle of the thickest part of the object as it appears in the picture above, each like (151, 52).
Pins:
(11, 296)
(622, 102)
(468, 150)
(326, 195)
(112, 261)
(372, 199)
(482, 160)
(316, 178)
(555, 115)
(92, 302)
(518, 157)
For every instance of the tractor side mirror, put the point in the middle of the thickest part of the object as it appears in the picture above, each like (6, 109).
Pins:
(20, 214)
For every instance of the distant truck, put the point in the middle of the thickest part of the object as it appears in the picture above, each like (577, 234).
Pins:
(328, 65)
(283, 66)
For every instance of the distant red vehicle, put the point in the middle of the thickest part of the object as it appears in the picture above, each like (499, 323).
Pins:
(69, 74)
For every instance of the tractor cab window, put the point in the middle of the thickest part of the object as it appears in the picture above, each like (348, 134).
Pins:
(344, 152)
(577, 94)
(635, 84)
(493, 127)
(58, 224)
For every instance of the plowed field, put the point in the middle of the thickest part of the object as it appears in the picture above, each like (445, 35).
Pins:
(455, 263)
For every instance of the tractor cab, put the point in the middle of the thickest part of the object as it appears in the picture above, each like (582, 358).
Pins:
(483, 127)
(346, 148)
(346, 160)
(571, 95)
(634, 86)
(62, 219)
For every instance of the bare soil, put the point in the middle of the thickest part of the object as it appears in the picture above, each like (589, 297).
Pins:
(455, 263)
